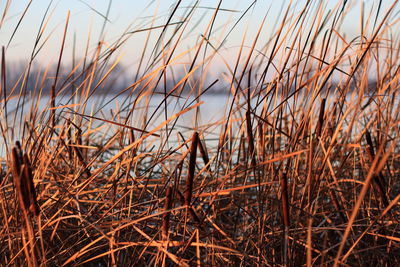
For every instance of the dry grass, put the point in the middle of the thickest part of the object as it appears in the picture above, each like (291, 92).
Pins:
(302, 170)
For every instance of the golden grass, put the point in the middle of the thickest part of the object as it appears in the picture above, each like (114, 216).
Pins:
(303, 169)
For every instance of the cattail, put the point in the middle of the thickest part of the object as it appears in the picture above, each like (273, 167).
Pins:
(187, 198)
(15, 163)
(192, 166)
(378, 179)
(81, 159)
(370, 147)
(166, 215)
(318, 129)
(25, 192)
(242, 148)
(16, 172)
(285, 201)
(286, 218)
(23, 181)
(131, 140)
(4, 80)
(28, 182)
(250, 138)
(69, 138)
(23, 189)
(261, 143)
(203, 153)
(54, 86)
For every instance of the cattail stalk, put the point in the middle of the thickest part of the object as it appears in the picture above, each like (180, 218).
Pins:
(4, 81)
(285, 215)
(166, 215)
(25, 192)
(54, 86)
(28, 177)
(203, 153)
(378, 179)
(250, 139)
(192, 166)
(320, 124)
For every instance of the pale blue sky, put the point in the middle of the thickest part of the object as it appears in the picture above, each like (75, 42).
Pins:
(138, 14)
(83, 20)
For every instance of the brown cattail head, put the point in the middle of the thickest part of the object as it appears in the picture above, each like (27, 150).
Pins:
(203, 153)
(320, 124)
(370, 148)
(192, 166)
(250, 138)
(23, 181)
(167, 206)
(15, 163)
(285, 201)
(28, 182)
(16, 172)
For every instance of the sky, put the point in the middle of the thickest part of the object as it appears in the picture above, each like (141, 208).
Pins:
(87, 19)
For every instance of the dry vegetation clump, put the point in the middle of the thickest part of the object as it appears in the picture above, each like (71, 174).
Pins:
(302, 169)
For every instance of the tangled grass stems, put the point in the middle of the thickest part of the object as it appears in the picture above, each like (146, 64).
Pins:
(301, 168)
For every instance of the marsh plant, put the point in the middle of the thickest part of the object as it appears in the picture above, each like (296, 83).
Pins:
(301, 167)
